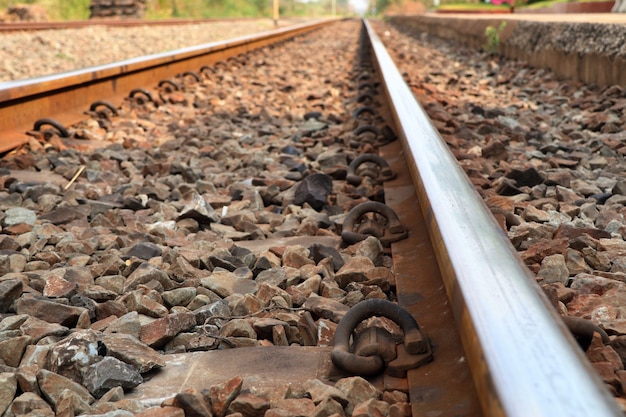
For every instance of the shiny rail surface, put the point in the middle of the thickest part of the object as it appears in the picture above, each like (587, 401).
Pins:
(66, 96)
(523, 360)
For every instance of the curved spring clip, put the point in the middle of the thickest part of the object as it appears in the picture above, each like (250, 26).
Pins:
(141, 96)
(63, 132)
(384, 172)
(414, 342)
(393, 232)
(103, 103)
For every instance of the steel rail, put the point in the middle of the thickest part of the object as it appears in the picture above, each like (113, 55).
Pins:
(523, 359)
(66, 96)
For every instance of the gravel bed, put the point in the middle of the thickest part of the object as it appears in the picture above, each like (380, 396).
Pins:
(209, 221)
(32, 54)
(547, 156)
(570, 38)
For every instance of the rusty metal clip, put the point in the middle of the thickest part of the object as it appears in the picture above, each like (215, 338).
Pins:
(169, 86)
(192, 75)
(366, 134)
(217, 66)
(207, 71)
(583, 330)
(141, 96)
(356, 228)
(63, 132)
(367, 86)
(101, 113)
(413, 352)
(374, 341)
(364, 110)
(382, 172)
(365, 98)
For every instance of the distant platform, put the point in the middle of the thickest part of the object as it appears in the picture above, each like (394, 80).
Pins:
(567, 7)
(583, 46)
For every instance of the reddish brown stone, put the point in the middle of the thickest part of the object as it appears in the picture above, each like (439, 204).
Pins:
(220, 396)
(296, 257)
(52, 386)
(27, 378)
(279, 336)
(277, 250)
(274, 412)
(49, 311)
(249, 405)
(57, 287)
(162, 412)
(536, 252)
(29, 402)
(192, 403)
(297, 407)
(355, 269)
(325, 332)
(328, 408)
(17, 229)
(101, 325)
(141, 302)
(606, 371)
(110, 308)
(10, 290)
(267, 291)
(562, 162)
(605, 354)
(161, 331)
(12, 349)
(400, 410)
(8, 388)
(70, 403)
(326, 308)
(371, 408)
(357, 390)
(571, 232)
(588, 305)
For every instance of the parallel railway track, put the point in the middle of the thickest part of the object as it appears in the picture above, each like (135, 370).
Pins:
(69, 95)
(518, 359)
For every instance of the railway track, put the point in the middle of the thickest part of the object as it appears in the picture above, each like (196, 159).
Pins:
(208, 212)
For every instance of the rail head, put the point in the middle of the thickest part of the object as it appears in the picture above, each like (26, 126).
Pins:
(524, 361)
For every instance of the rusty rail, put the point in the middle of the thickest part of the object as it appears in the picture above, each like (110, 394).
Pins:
(66, 96)
(523, 359)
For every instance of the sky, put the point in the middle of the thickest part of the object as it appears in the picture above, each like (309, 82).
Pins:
(360, 5)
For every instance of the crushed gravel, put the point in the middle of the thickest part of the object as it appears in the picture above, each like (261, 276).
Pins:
(54, 51)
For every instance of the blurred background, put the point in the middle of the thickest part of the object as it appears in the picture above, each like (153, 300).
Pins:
(55, 10)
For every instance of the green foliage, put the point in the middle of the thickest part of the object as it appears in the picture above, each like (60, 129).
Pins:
(73, 9)
(159, 9)
(4, 4)
(472, 6)
(492, 34)
(165, 9)
(378, 7)
(56, 9)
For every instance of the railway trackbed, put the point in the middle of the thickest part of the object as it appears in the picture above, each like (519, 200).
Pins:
(113, 23)
(253, 232)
